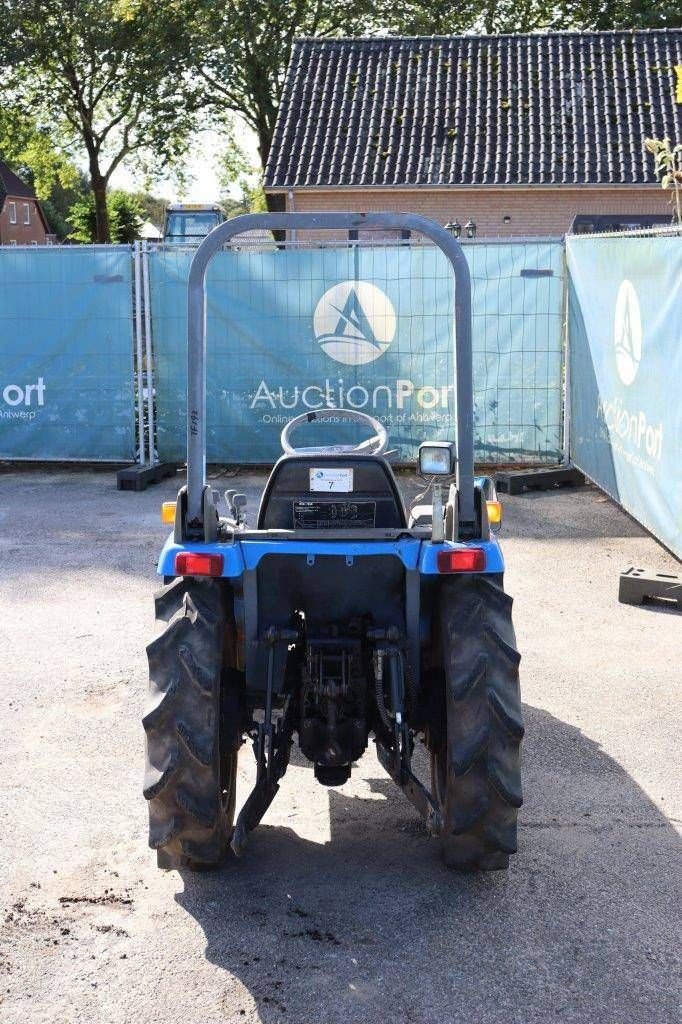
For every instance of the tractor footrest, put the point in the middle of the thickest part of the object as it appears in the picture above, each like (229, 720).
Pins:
(138, 478)
(520, 480)
(638, 586)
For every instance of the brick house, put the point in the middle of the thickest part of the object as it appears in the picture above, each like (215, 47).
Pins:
(514, 134)
(22, 221)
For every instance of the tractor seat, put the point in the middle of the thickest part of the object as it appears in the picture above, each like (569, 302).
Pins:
(291, 502)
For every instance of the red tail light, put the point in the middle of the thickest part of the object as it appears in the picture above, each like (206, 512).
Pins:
(196, 563)
(461, 560)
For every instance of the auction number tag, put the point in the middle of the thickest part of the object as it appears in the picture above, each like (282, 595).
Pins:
(331, 480)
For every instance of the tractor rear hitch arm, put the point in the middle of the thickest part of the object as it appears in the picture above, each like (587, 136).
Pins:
(272, 746)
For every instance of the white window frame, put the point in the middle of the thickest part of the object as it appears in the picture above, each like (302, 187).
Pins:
(27, 213)
(12, 209)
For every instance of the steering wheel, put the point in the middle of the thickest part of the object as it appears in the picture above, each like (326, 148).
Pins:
(374, 445)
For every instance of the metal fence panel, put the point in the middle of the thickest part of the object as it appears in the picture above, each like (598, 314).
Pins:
(625, 345)
(368, 326)
(66, 353)
(518, 312)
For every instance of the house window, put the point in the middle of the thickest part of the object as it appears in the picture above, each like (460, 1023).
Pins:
(27, 214)
(12, 212)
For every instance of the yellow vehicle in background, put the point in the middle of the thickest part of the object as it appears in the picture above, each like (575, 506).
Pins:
(189, 223)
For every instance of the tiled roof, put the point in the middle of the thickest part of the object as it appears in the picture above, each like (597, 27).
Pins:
(11, 185)
(561, 108)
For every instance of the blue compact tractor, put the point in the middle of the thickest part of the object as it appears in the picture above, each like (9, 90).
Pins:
(338, 617)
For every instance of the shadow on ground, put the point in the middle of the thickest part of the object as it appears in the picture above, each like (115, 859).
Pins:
(371, 927)
(580, 513)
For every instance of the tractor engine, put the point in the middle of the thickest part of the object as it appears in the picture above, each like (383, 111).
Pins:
(333, 729)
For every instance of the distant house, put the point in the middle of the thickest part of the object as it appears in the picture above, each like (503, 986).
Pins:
(22, 221)
(515, 135)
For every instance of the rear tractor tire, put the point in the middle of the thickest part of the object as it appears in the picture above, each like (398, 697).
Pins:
(476, 736)
(189, 781)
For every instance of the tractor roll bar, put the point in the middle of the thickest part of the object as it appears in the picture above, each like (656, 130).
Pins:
(196, 353)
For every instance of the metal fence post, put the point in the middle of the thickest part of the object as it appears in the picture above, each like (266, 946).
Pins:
(137, 300)
(148, 353)
(566, 439)
(147, 470)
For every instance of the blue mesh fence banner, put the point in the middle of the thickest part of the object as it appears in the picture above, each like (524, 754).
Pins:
(66, 353)
(625, 345)
(369, 327)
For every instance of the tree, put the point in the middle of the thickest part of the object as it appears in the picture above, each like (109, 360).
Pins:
(29, 149)
(668, 160)
(125, 214)
(153, 207)
(600, 15)
(443, 17)
(494, 17)
(241, 49)
(61, 201)
(236, 170)
(102, 74)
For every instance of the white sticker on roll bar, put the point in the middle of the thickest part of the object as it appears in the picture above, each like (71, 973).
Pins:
(331, 480)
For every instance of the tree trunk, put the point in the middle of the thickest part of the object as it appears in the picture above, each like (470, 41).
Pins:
(276, 202)
(99, 191)
(264, 134)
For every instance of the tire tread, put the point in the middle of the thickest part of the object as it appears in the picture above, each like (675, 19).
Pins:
(483, 781)
(190, 824)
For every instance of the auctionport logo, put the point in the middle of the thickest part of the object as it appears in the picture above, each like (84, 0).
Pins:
(633, 435)
(21, 401)
(627, 332)
(354, 322)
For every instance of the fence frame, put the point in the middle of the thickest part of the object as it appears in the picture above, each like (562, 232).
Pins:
(139, 369)
(143, 355)
(94, 247)
(653, 232)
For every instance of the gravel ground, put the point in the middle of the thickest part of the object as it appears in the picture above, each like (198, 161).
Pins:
(340, 911)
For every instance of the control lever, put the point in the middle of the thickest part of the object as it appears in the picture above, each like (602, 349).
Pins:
(236, 503)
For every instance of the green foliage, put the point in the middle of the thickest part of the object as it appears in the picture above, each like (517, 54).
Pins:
(241, 49)
(599, 15)
(82, 220)
(56, 222)
(30, 150)
(153, 208)
(109, 81)
(105, 76)
(668, 164)
(442, 17)
(126, 216)
(236, 170)
(251, 199)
